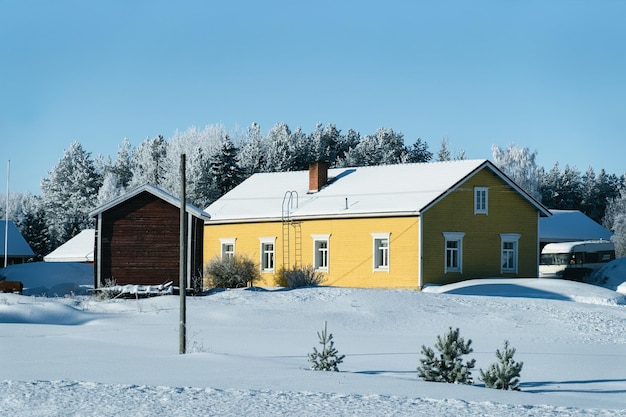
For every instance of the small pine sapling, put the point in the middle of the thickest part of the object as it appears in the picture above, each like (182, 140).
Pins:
(328, 358)
(504, 374)
(448, 366)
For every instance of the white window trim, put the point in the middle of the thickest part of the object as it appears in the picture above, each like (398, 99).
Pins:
(264, 240)
(453, 237)
(321, 238)
(509, 237)
(227, 241)
(381, 236)
(485, 210)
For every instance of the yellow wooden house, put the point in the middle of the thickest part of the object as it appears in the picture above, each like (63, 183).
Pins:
(388, 226)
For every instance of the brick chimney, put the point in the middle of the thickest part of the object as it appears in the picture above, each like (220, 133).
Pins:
(318, 176)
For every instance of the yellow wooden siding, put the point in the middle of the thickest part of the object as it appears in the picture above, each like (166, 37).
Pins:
(508, 212)
(350, 248)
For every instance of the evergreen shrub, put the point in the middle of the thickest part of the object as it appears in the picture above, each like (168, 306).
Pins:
(448, 366)
(328, 359)
(504, 374)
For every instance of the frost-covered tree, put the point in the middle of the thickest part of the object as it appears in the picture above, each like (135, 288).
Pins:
(505, 373)
(150, 163)
(571, 187)
(615, 221)
(198, 147)
(448, 365)
(382, 148)
(333, 139)
(224, 168)
(69, 192)
(280, 156)
(302, 147)
(34, 226)
(320, 149)
(346, 142)
(561, 189)
(418, 152)
(252, 152)
(589, 193)
(520, 165)
(201, 189)
(123, 166)
(597, 191)
(444, 153)
(110, 188)
(328, 358)
(550, 186)
(325, 142)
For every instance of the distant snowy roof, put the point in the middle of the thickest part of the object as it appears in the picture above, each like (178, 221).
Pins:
(570, 225)
(403, 189)
(77, 249)
(17, 245)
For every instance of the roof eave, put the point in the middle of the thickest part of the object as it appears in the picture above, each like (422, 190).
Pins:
(316, 217)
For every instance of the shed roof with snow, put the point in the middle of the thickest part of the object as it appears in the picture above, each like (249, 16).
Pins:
(155, 191)
(78, 249)
(570, 226)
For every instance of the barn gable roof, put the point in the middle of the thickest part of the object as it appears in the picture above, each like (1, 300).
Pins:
(157, 192)
(384, 190)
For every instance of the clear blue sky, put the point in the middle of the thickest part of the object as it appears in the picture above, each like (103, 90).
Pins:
(547, 75)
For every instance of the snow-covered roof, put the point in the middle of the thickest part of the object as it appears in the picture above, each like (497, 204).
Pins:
(570, 225)
(154, 191)
(403, 189)
(17, 245)
(77, 249)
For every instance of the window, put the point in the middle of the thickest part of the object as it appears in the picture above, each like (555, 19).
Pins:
(481, 200)
(267, 253)
(509, 252)
(228, 248)
(320, 252)
(381, 251)
(453, 251)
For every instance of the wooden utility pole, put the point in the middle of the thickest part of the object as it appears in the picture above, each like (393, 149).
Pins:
(183, 260)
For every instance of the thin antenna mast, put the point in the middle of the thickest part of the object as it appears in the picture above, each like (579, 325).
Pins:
(6, 218)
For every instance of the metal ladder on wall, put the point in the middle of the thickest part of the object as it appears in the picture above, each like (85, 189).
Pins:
(290, 201)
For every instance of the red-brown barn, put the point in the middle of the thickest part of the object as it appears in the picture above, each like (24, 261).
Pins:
(137, 239)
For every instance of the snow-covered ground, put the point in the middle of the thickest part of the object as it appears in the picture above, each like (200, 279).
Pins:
(76, 355)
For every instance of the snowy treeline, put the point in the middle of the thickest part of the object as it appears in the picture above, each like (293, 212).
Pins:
(218, 160)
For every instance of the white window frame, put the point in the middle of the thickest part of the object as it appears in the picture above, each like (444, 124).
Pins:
(268, 257)
(507, 254)
(381, 254)
(453, 237)
(481, 206)
(224, 243)
(321, 254)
